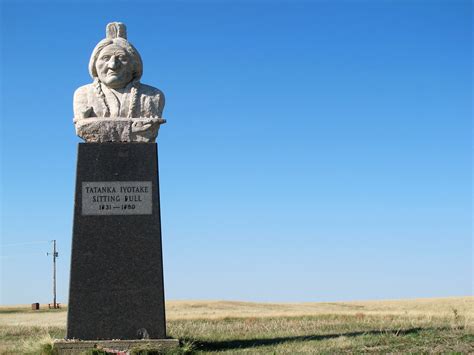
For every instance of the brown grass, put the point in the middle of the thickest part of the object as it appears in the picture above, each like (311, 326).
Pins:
(179, 310)
(221, 309)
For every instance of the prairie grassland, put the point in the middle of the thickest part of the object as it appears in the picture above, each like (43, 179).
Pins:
(176, 310)
(422, 325)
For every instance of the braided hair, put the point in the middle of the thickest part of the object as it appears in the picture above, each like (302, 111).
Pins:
(101, 96)
(133, 99)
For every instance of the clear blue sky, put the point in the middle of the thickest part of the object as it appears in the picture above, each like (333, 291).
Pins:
(314, 150)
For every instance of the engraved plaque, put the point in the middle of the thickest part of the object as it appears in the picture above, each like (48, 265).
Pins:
(117, 198)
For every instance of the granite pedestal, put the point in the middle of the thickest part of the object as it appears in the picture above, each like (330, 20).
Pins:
(116, 285)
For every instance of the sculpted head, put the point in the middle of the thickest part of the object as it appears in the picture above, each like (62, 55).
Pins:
(114, 61)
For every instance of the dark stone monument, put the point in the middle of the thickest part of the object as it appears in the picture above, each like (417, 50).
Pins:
(116, 287)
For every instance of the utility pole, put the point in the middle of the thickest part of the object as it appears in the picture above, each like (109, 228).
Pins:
(55, 254)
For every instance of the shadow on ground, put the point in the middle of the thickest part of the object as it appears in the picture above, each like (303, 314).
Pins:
(250, 343)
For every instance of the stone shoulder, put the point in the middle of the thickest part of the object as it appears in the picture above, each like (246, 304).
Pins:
(82, 91)
(80, 100)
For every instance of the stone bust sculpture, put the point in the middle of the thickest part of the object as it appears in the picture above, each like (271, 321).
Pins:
(116, 107)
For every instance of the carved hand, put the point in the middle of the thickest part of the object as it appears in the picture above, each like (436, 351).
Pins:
(144, 125)
(86, 112)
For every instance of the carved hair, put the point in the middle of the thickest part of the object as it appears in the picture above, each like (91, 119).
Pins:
(134, 99)
(100, 94)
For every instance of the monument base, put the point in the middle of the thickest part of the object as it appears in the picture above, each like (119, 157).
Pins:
(116, 285)
(67, 347)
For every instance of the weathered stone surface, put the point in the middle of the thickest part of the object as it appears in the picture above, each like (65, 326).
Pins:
(97, 129)
(116, 285)
(66, 347)
(116, 92)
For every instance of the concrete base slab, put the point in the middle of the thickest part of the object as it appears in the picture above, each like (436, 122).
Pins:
(78, 346)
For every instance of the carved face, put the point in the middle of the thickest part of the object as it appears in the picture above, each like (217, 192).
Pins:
(114, 67)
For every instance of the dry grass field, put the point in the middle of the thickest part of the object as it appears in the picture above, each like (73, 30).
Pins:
(421, 325)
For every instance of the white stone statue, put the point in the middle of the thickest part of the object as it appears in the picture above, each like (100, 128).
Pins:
(116, 107)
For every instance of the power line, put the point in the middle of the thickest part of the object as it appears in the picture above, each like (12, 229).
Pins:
(18, 255)
(25, 243)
